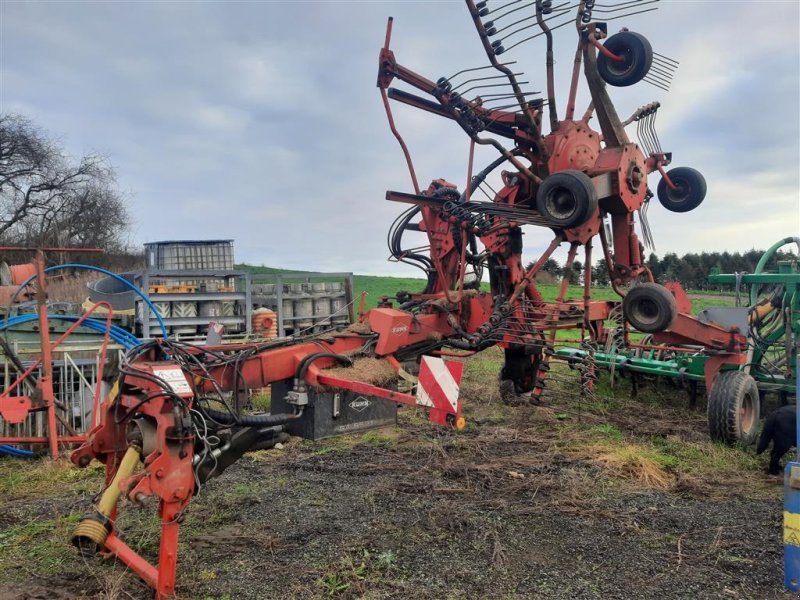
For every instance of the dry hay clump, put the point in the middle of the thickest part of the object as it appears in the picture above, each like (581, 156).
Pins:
(361, 327)
(634, 463)
(367, 370)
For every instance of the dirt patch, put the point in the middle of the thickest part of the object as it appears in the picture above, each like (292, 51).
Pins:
(522, 504)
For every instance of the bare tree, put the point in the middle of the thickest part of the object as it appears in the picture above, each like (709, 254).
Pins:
(46, 199)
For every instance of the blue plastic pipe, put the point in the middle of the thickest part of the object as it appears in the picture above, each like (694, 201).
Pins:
(122, 336)
(114, 276)
(15, 452)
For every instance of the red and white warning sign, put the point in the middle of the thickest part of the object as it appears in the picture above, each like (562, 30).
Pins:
(438, 383)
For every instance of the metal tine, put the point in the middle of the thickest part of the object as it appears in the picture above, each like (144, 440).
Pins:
(489, 85)
(643, 133)
(666, 76)
(660, 78)
(510, 25)
(522, 41)
(488, 104)
(622, 6)
(506, 64)
(667, 63)
(502, 107)
(486, 183)
(645, 129)
(480, 187)
(505, 14)
(654, 133)
(504, 6)
(494, 97)
(642, 138)
(484, 79)
(665, 67)
(565, 7)
(667, 58)
(533, 16)
(622, 3)
(646, 136)
(658, 85)
(536, 24)
(660, 74)
(647, 234)
(630, 14)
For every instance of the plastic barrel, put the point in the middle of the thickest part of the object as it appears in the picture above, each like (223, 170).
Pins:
(338, 311)
(322, 310)
(303, 313)
(288, 313)
(265, 323)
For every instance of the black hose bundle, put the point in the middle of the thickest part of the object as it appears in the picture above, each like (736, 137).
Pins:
(226, 418)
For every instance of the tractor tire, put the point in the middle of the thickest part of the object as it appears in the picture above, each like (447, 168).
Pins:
(637, 58)
(649, 307)
(689, 193)
(733, 408)
(567, 198)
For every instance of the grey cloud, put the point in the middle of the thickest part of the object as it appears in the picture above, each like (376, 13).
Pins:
(261, 121)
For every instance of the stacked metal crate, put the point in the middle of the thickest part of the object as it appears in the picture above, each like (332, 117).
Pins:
(306, 302)
(191, 283)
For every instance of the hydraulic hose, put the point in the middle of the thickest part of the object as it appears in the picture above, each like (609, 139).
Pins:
(762, 263)
(249, 420)
(306, 362)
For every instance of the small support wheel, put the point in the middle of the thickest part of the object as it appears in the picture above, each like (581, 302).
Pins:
(733, 408)
(690, 190)
(637, 57)
(567, 198)
(649, 307)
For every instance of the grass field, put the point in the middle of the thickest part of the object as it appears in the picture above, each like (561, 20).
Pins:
(378, 286)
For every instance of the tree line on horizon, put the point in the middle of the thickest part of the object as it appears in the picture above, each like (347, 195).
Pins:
(691, 270)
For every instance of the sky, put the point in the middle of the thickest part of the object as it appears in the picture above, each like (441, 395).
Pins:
(261, 121)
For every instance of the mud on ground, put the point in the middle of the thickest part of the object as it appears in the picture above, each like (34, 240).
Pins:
(607, 498)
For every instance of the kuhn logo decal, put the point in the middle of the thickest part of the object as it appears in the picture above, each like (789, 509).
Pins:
(360, 404)
(399, 329)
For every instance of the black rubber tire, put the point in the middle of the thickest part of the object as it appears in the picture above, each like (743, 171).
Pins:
(649, 307)
(690, 192)
(638, 55)
(733, 408)
(567, 198)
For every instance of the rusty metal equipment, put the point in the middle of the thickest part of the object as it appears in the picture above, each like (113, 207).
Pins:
(15, 408)
(574, 181)
(173, 411)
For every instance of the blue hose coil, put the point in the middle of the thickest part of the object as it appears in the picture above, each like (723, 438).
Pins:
(122, 336)
(112, 275)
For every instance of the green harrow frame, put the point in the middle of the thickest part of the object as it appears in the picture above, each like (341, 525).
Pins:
(771, 323)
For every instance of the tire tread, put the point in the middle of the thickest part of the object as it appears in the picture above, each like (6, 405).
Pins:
(724, 402)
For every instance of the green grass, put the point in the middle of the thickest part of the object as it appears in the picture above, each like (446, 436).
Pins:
(43, 543)
(262, 401)
(46, 477)
(377, 286)
(608, 431)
